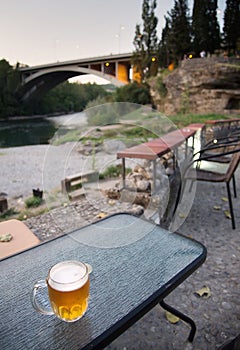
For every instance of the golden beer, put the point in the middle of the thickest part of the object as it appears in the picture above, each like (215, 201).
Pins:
(68, 289)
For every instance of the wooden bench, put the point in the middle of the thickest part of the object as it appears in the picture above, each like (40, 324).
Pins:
(73, 185)
(3, 204)
(154, 149)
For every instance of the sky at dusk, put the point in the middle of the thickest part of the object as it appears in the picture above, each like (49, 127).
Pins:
(36, 32)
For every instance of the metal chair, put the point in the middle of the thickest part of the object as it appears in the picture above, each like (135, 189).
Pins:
(198, 174)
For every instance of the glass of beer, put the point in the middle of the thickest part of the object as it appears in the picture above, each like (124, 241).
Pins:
(68, 287)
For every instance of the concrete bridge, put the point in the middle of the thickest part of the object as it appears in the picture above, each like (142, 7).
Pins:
(37, 80)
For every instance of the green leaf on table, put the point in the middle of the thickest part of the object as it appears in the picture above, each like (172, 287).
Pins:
(204, 292)
(227, 214)
(171, 318)
(224, 199)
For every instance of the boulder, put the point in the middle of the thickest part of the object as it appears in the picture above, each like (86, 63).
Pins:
(209, 85)
(113, 146)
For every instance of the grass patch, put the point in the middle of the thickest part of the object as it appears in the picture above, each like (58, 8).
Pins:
(139, 114)
(66, 136)
(26, 214)
(113, 171)
(8, 214)
(181, 120)
(138, 131)
(145, 123)
(33, 202)
(111, 133)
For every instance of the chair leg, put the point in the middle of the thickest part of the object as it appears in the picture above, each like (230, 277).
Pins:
(234, 186)
(180, 194)
(191, 185)
(183, 317)
(230, 205)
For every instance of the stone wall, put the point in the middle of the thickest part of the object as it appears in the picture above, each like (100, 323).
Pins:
(200, 86)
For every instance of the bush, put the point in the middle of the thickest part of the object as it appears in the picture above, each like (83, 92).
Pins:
(139, 131)
(101, 113)
(33, 202)
(161, 87)
(134, 93)
(113, 171)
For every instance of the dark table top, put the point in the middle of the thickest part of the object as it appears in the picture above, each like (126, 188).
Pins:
(135, 265)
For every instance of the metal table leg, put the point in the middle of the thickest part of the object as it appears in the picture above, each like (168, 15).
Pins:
(182, 317)
(123, 173)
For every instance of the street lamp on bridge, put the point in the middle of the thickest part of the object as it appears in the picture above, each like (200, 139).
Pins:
(118, 35)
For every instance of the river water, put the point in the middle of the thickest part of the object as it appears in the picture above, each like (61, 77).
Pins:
(26, 131)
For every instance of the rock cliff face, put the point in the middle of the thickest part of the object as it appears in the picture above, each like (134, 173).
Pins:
(209, 85)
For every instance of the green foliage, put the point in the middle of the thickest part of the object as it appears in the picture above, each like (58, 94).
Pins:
(160, 86)
(33, 202)
(205, 27)
(7, 214)
(100, 113)
(231, 25)
(25, 214)
(164, 49)
(66, 97)
(145, 41)
(138, 131)
(9, 81)
(98, 101)
(185, 100)
(69, 136)
(110, 133)
(178, 31)
(113, 171)
(133, 93)
(181, 120)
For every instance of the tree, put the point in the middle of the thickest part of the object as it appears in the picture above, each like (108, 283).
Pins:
(145, 41)
(164, 49)
(214, 41)
(134, 93)
(9, 82)
(178, 30)
(65, 97)
(231, 26)
(205, 27)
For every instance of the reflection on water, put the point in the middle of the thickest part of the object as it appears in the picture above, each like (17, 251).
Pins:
(24, 132)
(35, 131)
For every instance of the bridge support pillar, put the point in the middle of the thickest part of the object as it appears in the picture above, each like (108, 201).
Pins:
(122, 72)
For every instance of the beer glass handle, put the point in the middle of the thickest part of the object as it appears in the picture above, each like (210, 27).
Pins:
(43, 309)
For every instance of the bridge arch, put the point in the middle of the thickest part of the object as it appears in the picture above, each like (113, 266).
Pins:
(39, 82)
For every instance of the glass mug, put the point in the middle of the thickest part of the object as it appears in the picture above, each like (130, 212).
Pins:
(68, 290)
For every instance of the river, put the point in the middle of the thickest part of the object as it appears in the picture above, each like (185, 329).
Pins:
(24, 131)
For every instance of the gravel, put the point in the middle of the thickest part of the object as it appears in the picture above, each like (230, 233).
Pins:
(217, 317)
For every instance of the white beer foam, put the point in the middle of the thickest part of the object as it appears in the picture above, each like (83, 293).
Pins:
(67, 276)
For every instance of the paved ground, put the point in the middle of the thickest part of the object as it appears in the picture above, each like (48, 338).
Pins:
(218, 316)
